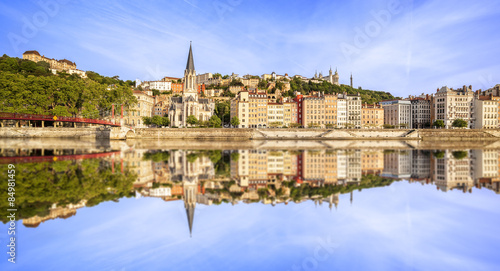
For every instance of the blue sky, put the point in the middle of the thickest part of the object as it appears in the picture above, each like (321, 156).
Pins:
(420, 46)
(401, 227)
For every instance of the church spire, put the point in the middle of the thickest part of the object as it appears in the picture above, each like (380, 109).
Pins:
(190, 62)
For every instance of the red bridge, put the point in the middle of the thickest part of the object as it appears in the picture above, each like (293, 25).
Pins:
(30, 117)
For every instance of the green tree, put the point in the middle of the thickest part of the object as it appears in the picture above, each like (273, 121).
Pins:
(459, 155)
(214, 122)
(223, 111)
(236, 82)
(157, 120)
(156, 92)
(235, 156)
(438, 124)
(157, 156)
(313, 125)
(275, 124)
(262, 84)
(147, 120)
(439, 154)
(460, 123)
(192, 120)
(235, 121)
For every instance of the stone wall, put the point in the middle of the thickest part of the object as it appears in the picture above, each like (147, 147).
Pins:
(444, 135)
(119, 133)
(55, 132)
(194, 133)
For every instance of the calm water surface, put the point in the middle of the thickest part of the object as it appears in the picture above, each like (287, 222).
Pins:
(123, 206)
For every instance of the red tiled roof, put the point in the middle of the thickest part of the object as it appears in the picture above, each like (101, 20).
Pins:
(33, 52)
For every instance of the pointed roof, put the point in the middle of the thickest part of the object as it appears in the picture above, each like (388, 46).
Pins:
(190, 62)
(190, 216)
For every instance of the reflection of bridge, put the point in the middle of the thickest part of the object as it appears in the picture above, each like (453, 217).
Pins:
(43, 118)
(52, 158)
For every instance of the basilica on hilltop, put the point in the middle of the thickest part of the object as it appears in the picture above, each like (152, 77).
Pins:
(331, 77)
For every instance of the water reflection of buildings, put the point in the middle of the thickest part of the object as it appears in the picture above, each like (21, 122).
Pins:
(252, 170)
(270, 176)
(259, 175)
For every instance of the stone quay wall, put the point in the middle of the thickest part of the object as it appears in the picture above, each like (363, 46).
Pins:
(120, 133)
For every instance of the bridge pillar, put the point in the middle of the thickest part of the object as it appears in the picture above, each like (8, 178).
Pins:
(17, 123)
(74, 124)
(43, 123)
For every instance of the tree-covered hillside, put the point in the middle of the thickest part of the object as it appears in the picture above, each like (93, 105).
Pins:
(29, 87)
(307, 87)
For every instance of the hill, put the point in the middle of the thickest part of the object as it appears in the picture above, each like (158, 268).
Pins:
(307, 87)
(29, 87)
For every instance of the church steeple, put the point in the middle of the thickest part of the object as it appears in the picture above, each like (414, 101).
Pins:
(190, 61)
(190, 87)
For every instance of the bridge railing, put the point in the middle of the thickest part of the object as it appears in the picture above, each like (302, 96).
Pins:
(20, 116)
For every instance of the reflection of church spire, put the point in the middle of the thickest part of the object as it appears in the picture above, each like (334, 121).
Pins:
(351, 197)
(190, 203)
(190, 216)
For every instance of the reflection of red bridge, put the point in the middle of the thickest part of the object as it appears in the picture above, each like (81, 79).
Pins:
(53, 158)
(30, 117)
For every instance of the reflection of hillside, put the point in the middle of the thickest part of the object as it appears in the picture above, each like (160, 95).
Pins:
(54, 212)
(41, 185)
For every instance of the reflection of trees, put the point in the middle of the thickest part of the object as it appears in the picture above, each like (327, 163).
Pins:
(39, 185)
(459, 154)
(158, 156)
(221, 161)
(306, 191)
(439, 154)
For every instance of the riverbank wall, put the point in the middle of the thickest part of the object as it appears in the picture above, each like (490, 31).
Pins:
(121, 133)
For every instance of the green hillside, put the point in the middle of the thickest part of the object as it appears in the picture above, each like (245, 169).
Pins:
(307, 87)
(29, 87)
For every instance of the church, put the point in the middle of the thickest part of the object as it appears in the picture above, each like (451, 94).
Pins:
(189, 103)
(331, 77)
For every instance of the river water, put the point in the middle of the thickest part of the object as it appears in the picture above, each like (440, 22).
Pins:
(159, 205)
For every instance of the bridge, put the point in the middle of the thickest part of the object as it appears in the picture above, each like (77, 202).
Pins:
(43, 118)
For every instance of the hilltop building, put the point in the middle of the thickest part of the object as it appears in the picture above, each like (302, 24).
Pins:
(62, 65)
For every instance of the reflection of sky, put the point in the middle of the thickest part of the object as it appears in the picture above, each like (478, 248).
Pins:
(404, 226)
